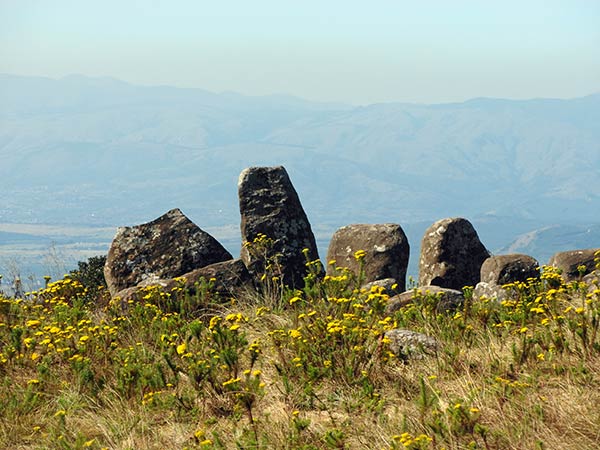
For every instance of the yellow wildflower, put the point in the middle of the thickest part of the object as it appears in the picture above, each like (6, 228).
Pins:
(360, 255)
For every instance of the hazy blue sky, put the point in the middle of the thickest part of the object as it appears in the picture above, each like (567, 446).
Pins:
(353, 51)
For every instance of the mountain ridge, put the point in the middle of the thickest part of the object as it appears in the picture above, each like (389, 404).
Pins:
(98, 151)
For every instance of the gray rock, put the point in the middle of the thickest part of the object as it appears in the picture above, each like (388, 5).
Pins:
(390, 286)
(269, 205)
(448, 299)
(592, 279)
(386, 248)
(497, 271)
(504, 269)
(228, 278)
(490, 291)
(451, 255)
(164, 248)
(135, 293)
(407, 344)
(568, 262)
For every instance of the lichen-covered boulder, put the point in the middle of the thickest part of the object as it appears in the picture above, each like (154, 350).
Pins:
(164, 248)
(269, 205)
(570, 261)
(386, 251)
(446, 299)
(451, 255)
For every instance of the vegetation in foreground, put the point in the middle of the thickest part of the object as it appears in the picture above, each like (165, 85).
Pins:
(305, 369)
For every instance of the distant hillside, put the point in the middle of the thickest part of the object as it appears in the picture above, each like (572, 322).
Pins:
(546, 241)
(98, 151)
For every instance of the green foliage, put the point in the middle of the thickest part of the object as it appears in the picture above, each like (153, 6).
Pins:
(90, 274)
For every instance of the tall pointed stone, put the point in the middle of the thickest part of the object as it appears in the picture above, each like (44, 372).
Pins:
(269, 205)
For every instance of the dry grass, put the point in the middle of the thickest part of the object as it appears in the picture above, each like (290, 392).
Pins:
(163, 376)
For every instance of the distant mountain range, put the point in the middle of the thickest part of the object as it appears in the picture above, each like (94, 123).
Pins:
(98, 152)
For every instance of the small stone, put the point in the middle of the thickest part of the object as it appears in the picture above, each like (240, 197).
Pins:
(407, 344)
(448, 299)
(389, 285)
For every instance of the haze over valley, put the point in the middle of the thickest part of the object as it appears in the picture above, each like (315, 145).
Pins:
(81, 156)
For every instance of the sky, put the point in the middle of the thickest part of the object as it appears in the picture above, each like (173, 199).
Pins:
(357, 52)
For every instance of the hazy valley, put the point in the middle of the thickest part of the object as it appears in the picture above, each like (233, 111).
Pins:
(81, 156)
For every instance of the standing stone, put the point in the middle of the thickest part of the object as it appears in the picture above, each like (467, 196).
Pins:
(568, 262)
(451, 255)
(386, 248)
(164, 248)
(269, 205)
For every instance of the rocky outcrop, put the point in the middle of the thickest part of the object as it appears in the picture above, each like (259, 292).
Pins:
(446, 299)
(386, 251)
(451, 255)
(167, 247)
(497, 271)
(269, 205)
(569, 263)
(278, 241)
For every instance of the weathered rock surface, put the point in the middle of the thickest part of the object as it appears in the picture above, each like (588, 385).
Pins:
(592, 279)
(164, 248)
(389, 285)
(497, 271)
(230, 278)
(448, 299)
(386, 248)
(407, 344)
(490, 291)
(451, 255)
(568, 262)
(227, 279)
(504, 269)
(269, 205)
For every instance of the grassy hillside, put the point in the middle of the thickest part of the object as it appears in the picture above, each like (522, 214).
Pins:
(306, 369)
